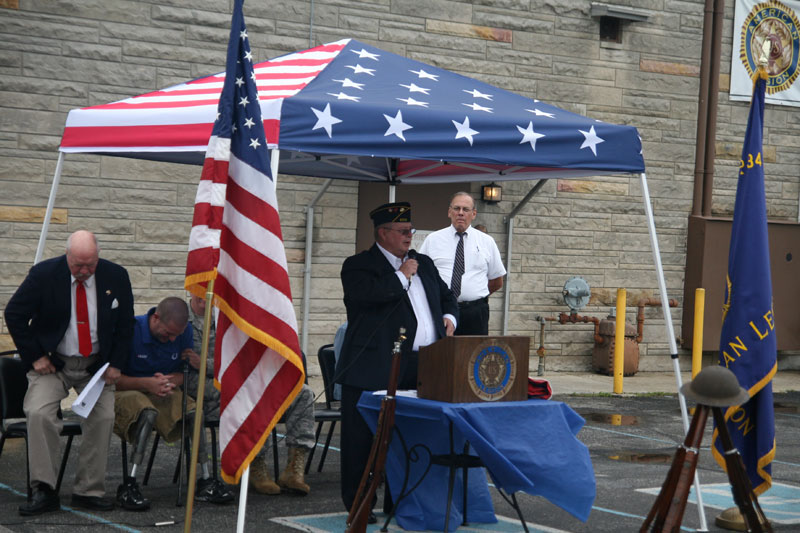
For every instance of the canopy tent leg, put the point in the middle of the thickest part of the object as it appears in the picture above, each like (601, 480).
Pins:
(509, 220)
(307, 266)
(49, 212)
(673, 347)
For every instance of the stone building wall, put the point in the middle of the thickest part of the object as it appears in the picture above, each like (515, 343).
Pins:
(57, 55)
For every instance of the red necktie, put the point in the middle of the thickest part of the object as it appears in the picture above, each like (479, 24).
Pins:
(82, 318)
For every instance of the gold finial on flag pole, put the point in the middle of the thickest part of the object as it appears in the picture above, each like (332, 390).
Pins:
(763, 61)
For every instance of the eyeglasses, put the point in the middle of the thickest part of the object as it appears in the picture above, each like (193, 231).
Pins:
(406, 232)
(459, 209)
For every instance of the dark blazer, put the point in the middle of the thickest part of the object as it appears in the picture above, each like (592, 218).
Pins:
(38, 314)
(377, 306)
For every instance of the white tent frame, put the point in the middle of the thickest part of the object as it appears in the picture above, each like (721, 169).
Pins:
(509, 219)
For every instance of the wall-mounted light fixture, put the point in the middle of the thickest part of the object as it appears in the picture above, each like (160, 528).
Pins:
(492, 193)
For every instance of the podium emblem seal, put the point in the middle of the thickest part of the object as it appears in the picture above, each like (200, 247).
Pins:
(492, 369)
(776, 23)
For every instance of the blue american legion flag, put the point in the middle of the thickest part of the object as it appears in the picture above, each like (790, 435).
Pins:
(747, 343)
(236, 241)
(350, 110)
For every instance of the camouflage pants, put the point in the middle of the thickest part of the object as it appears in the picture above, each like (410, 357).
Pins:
(299, 420)
(210, 394)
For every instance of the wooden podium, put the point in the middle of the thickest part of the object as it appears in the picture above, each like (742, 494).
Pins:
(474, 368)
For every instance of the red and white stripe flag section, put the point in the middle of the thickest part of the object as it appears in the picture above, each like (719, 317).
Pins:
(236, 240)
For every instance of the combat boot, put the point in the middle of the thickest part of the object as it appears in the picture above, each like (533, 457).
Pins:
(291, 478)
(260, 479)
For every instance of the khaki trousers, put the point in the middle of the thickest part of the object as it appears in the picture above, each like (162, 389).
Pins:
(42, 400)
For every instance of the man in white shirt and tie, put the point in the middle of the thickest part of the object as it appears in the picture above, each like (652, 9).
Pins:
(468, 262)
(72, 314)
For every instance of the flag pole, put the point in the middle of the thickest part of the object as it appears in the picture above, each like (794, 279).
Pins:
(198, 408)
(243, 486)
(673, 347)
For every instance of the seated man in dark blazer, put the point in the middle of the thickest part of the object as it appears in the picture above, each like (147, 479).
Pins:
(71, 315)
(385, 288)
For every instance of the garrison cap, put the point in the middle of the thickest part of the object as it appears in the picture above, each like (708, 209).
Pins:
(393, 212)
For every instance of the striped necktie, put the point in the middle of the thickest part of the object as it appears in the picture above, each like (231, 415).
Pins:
(458, 266)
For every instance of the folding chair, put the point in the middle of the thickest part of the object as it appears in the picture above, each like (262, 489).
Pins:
(13, 386)
(327, 365)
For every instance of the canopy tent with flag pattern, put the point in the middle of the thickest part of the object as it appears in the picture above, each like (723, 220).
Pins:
(348, 110)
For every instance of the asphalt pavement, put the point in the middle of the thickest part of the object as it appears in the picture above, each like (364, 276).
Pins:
(631, 438)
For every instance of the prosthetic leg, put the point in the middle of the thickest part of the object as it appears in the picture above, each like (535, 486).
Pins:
(129, 496)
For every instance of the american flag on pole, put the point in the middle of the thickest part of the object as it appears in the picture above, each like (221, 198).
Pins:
(236, 240)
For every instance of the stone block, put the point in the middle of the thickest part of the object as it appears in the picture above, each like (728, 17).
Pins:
(31, 120)
(100, 72)
(425, 40)
(339, 217)
(23, 100)
(592, 187)
(92, 51)
(468, 30)
(158, 232)
(10, 213)
(138, 32)
(197, 17)
(434, 9)
(664, 67)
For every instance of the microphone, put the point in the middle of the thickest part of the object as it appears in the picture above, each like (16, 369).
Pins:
(412, 254)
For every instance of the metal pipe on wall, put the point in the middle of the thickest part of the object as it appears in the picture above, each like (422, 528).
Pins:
(509, 220)
(713, 98)
(702, 109)
(307, 264)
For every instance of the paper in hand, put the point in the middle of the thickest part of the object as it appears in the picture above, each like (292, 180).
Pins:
(85, 401)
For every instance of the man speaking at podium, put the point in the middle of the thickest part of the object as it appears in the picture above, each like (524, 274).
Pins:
(386, 288)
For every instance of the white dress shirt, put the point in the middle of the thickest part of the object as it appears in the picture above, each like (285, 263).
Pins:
(69, 344)
(482, 260)
(426, 330)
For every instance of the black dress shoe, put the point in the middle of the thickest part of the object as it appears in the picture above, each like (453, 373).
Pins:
(372, 519)
(44, 500)
(92, 503)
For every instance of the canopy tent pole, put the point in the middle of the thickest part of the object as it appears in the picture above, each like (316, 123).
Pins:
(49, 211)
(509, 220)
(673, 347)
(392, 193)
(307, 266)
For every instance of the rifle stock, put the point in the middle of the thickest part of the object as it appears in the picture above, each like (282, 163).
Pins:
(742, 489)
(374, 471)
(667, 511)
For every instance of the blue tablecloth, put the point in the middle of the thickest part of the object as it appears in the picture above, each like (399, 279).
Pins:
(526, 446)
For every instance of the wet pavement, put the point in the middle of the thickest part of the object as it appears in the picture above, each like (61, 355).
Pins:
(631, 439)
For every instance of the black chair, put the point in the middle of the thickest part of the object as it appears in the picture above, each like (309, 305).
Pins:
(13, 386)
(327, 366)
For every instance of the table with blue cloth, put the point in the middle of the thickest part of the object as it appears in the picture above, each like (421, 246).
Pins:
(528, 446)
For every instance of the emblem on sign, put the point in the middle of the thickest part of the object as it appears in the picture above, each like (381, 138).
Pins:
(777, 24)
(491, 371)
